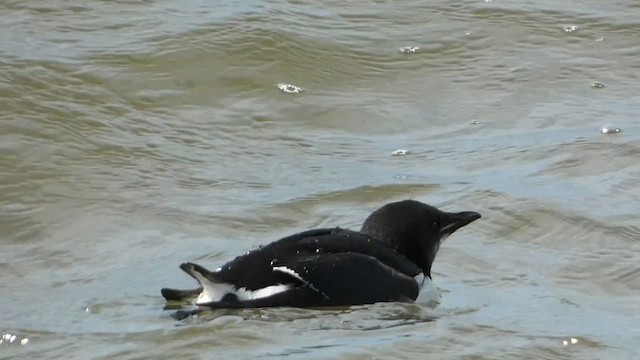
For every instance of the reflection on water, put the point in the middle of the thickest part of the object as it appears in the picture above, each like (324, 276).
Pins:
(138, 135)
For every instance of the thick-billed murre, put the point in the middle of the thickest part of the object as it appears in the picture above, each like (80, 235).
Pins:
(330, 267)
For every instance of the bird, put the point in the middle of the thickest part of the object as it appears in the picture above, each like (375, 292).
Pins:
(383, 262)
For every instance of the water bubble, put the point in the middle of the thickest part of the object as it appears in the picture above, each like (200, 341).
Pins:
(409, 49)
(610, 129)
(400, 152)
(290, 89)
(597, 85)
(570, 28)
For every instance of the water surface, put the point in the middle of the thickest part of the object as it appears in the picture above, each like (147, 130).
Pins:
(135, 135)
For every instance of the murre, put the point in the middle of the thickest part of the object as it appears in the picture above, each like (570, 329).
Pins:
(333, 267)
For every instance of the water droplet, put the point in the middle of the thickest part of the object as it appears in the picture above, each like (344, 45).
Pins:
(570, 28)
(400, 152)
(317, 251)
(409, 49)
(597, 85)
(290, 89)
(565, 342)
(24, 341)
(610, 129)
(13, 337)
(87, 310)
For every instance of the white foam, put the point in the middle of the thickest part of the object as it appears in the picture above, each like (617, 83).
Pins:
(421, 279)
(428, 293)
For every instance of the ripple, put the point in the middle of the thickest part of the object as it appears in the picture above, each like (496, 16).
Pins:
(400, 152)
(289, 88)
(409, 49)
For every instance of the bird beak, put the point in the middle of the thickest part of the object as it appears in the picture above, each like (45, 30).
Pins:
(454, 221)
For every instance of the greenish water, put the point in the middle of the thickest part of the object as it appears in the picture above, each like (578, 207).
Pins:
(135, 135)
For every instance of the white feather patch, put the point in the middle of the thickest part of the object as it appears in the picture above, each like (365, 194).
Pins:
(286, 270)
(213, 292)
(266, 291)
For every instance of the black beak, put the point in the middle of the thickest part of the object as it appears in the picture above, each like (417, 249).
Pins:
(454, 221)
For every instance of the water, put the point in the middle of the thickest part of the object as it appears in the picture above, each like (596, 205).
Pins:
(135, 135)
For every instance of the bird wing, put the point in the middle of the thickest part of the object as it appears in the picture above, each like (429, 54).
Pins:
(350, 278)
(356, 242)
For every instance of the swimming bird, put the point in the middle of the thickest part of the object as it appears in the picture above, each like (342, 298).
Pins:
(396, 245)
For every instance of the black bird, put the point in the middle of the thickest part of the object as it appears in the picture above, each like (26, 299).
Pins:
(331, 267)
